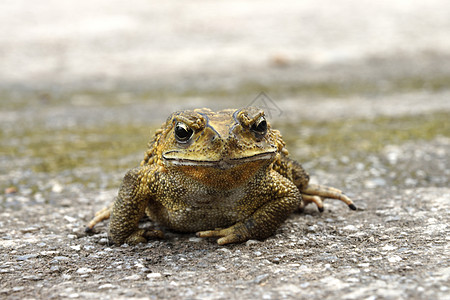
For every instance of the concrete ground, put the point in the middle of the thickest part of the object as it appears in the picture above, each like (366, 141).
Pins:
(359, 90)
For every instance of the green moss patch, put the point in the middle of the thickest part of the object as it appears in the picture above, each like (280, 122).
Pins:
(109, 145)
(363, 136)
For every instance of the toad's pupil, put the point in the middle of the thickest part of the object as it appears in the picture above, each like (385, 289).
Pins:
(260, 127)
(183, 132)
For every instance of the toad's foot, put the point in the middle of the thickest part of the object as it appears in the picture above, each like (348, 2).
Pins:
(234, 234)
(100, 216)
(143, 235)
(315, 193)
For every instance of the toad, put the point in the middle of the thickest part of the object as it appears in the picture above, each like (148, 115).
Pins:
(224, 174)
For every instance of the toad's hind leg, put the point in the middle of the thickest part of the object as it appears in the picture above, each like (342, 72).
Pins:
(100, 216)
(317, 193)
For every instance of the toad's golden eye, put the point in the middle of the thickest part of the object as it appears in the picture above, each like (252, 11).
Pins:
(260, 126)
(183, 132)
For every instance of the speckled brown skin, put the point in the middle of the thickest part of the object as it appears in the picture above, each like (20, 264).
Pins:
(221, 174)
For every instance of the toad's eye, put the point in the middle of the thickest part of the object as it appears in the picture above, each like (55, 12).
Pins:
(183, 132)
(260, 126)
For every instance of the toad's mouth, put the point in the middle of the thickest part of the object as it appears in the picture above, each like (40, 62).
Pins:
(224, 163)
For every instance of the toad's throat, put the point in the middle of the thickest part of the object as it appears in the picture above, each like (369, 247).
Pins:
(224, 163)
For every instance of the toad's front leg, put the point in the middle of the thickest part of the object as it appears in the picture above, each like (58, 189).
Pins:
(283, 198)
(315, 193)
(129, 207)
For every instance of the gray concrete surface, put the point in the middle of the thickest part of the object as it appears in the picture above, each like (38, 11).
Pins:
(207, 44)
(77, 77)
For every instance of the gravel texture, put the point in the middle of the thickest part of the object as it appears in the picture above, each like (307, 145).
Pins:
(394, 247)
(72, 73)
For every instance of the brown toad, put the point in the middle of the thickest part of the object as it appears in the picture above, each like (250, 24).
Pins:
(221, 174)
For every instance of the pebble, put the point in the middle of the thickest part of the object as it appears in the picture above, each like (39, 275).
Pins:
(11, 190)
(103, 241)
(252, 242)
(107, 286)
(394, 259)
(57, 187)
(334, 282)
(392, 219)
(132, 277)
(195, 239)
(350, 228)
(26, 257)
(69, 219)
(32, 277)
(388, 248)
(225, 250)
(313, 228)
(374, 182)
(84, 270)
(76, 247)
(260, 278)
(345, 159)
(60, 258)
(154, 275)
(54, 268)
(29, 229)
(39, 198)
(410, 182)
(73, 295)
(362, 265)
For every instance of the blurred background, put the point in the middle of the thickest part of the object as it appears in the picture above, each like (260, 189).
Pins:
(88, 81)
(225, 47)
